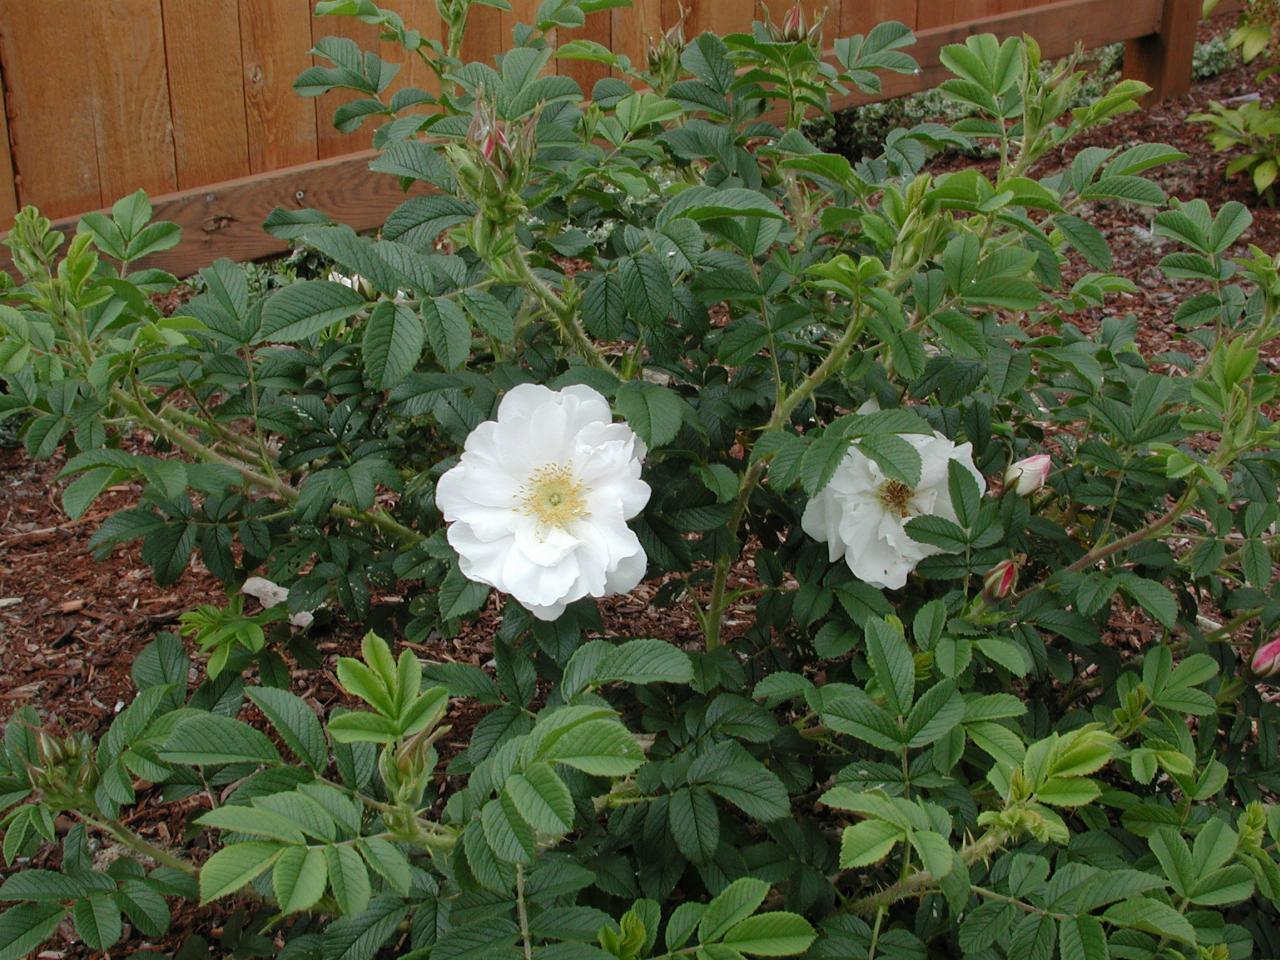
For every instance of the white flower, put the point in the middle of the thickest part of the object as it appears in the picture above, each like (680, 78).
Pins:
(270, 595)
(1029, 475)
(862, 514)
(539, 503)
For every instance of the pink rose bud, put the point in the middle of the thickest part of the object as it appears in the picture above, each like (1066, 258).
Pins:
(1029, 475)
(793, 24)
(1266, 660)
(494, 139)
(1000, 580)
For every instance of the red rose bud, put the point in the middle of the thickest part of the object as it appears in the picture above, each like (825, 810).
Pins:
(1000, 580)
(1266, 660)
(1029, 475)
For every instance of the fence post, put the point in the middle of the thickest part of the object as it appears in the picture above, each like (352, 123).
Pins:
(1163, 60)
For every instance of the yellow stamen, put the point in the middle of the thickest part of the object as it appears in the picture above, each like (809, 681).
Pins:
(553, 497)
(896, 497)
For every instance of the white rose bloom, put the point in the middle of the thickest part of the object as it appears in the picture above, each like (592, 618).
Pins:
(539, 503)
(862, 515)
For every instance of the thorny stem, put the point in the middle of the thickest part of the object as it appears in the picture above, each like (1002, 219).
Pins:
(139, 844)
(919, 883)
(786, 405)
(570, 327)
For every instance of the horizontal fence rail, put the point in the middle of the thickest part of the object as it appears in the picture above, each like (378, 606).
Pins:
(193, 100)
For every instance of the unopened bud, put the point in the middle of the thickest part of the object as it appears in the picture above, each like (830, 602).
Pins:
(1266, 660)
(1029, 475)
(1000, 581)
(793, 24)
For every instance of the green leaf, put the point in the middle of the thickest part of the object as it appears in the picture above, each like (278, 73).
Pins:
(36, 884)
(938, 532)
(254, 821)
(234, 866)
(895, 456)
(643, 661)
(1082, 938)
(360, 937)
(296, 723)
(348, 879)
(937, 711)
(542, 799)
(601, 748)
(212, 739)
(386, 859)
(653, 411)
(771, 935)
(734, 904)
(893, 664)
(393, 342)
(646, 288)
(299, 878)
(1086, 239)
(694, 823)
(1151, 916)
(448, 331)
(1154, 597)
(303, 309)
(868, 842)
(24, 927)
(508, 835)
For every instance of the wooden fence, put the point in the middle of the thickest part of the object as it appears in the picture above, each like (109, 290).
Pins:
(192, 100)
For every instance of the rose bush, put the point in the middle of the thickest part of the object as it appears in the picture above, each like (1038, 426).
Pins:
(654, 334)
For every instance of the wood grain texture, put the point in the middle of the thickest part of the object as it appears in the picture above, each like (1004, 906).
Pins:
(485, 36)
(331, 142)
(420, 15)
(224, 220)
(274, 38)
(54, 154)
(1058, 27)
(1163, 59)
(723, 16)
(859, 16)
(632, 27)
(206, 91)
(599, 27)
(133, 125)
(8, 187)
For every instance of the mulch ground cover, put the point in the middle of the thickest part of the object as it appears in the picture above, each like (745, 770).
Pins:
(71, 624)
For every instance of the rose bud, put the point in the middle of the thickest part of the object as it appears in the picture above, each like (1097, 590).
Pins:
(1266, 660)
(1000, 580)
(1029, 475)
(793, 24)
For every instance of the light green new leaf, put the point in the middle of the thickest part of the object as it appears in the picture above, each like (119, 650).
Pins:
(299, 878)
(771, 935)
(235, 865)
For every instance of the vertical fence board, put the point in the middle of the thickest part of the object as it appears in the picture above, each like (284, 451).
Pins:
(331, 142)
(206, 91)
(1163, 60)
(420, 15)
(8, 186)
(274, 37)
(859, 16)
(599, 27)
(935, 13)
(485, 36)
(134, 127)
(54, 156)
(633, 26)
(723, 16)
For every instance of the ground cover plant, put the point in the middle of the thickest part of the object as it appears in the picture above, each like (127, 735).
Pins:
(622, 342)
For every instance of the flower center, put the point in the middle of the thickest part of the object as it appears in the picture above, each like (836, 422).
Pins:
(896, 497)
(553, 497)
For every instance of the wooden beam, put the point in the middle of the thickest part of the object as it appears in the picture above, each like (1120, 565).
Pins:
(224, 220)
(1162, 59)
(1057, 27)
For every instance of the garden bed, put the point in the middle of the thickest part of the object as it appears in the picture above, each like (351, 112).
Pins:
(70, 625)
